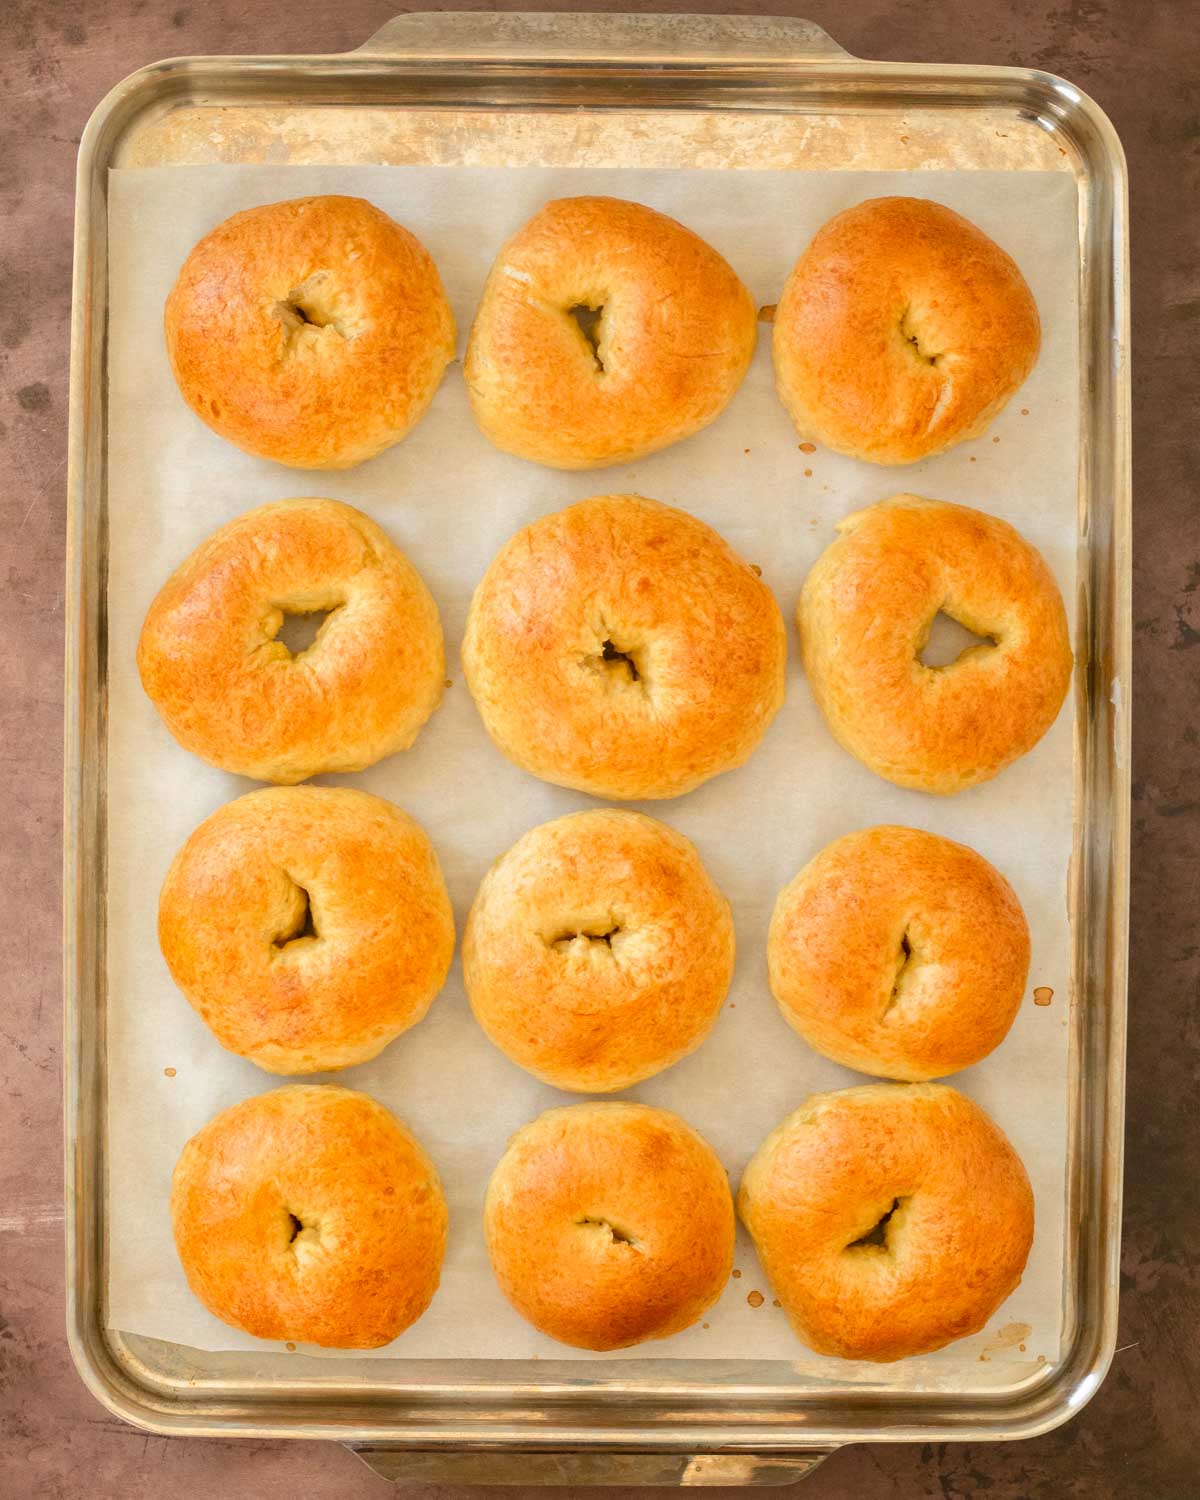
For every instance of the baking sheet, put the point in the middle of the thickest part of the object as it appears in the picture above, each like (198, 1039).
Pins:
(449, 500)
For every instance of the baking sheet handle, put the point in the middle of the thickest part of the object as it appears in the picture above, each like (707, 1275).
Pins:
(592, 38)
(408, 1466)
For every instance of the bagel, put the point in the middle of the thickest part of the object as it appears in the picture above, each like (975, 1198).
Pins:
(609, 1224)
(899, 953)
(605, 332)
(233, 694)
(902, 330)
(865, 614)
(622, 648)
(598, 951)
(307, 926)
(312, 332)
(312, 1214)
(890, 1219)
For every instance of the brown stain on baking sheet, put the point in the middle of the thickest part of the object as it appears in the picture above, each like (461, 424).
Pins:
(1011, 1336)
(808, 447)
(168, 1072)
(766, 313)
(1043, 995)
(755, 1299)
(737, 1276)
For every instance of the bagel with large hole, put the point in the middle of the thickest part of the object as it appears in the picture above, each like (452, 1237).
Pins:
(308, 926)
(311, 1214)
(598, 951)
(622, 648)
(605, 332)
(865, 614)
(232, 692)
(312, 332)
(609, 1224)
(890, 1219)
(902, 330)
(899, 953)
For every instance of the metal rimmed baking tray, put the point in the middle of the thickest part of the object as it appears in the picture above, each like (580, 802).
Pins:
(574, 91)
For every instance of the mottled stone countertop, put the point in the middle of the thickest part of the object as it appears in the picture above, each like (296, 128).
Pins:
(1141, 60)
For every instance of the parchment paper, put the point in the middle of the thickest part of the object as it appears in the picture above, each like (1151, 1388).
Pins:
(449, 500)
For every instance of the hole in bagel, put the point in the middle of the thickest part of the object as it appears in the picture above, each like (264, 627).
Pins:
(308, 306)
(948, 640)
(587, 320)
(905, 959)
(608, 652)
(617, 1236)
(299, 628)
(562, 942)
(294, 1225)
(910, 336)
(877, 1235)
(612, 662)
(296, 308)
(303, 927)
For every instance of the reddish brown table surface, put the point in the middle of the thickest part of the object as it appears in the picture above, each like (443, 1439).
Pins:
(1141, 60)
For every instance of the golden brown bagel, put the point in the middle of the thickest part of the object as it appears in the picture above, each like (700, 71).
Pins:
(865, 613)
(598, 951)
(899, 953)
(233, 694)
(609, 1224)
(672, 333)
(901, 331)
(310, 1213)
(308, 926)
(312, 332)
(890, 1219)
(622, 648)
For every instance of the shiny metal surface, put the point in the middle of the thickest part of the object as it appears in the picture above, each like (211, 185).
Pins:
(585, 1469)
(654, 91)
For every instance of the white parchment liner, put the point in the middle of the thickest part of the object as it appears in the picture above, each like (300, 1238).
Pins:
(449, 500)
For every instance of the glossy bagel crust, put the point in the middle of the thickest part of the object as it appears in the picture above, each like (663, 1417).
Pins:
(865, 614)
(674, 337)
(598, 951)
(902, 330)
(308, 926)
(922, 1173)
(233, 694)
(622, 648)
(609, 1224)
(312, 1214)
(313, 332)
(899, 953)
